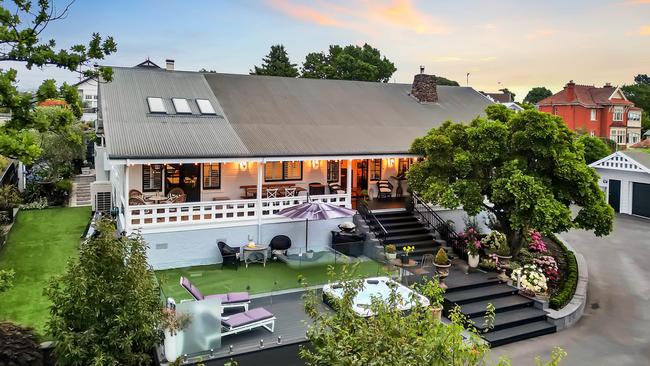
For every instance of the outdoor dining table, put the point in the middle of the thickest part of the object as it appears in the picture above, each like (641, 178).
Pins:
(403, 267)
(157, 198)
(256, 254)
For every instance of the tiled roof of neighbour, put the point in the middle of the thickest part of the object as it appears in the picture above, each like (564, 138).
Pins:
(271, 116)
(587, 95)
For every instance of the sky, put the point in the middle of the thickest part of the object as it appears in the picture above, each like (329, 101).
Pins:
(516, 44)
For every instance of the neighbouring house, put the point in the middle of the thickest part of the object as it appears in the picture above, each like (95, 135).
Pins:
(603, 112)
(189, 158)
(625, 179)
(500, 97)
(514, 106)
(87, 89)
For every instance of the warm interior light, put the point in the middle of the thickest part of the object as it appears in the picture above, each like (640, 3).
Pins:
(315, 163)
(391, 161)
(243, 164)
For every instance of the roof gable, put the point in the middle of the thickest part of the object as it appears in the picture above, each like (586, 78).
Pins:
(623, 162)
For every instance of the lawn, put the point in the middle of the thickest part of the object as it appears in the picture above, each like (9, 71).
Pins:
(255, 279)
(38, 247)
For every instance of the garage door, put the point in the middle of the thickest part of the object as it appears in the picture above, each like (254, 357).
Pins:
(641, 199)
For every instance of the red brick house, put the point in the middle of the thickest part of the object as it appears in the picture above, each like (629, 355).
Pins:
(603, 112)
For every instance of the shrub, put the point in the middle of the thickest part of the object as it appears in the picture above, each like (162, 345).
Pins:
(531, 279)
(64, 185)
(9, 197)
(38, 204)
(535, 242)
(441, 257)
(504, 249)
(493, 241)
(6, 278)
(565, 293)
(391, 248)
(19, 345)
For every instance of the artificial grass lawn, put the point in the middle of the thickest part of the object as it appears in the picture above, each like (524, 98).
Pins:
(255, 279)
(38, 247)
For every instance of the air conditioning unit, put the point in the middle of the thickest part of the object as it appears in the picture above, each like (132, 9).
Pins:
(101, 193)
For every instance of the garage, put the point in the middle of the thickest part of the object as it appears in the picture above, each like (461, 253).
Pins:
(625, 179)
(641, 199)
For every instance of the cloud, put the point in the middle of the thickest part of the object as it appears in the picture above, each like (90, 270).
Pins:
(364, 15)
(638, 2)
(541, 33)
(487, 26)
(463, 59)
(645, 30)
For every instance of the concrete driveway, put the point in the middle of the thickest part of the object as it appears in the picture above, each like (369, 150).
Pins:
(615, 329)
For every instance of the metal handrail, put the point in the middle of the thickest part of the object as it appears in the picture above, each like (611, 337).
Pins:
(371, 219)
(432, 219)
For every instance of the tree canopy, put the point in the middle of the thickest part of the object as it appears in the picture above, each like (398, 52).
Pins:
(529, 166)
(106, 307)
(595, 148)
(507, 91)
(276, 63)
(536, 94)
(20, 30)
(639, 94)
(348, 63)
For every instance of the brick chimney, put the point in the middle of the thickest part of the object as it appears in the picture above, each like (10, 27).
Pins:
(608, 85)
(169, 64)
(570, 91)
(424, 87)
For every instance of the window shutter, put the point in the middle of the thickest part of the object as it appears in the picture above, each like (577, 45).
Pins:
(146, 177)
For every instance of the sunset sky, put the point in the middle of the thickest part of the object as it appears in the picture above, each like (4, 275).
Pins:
(514, 44)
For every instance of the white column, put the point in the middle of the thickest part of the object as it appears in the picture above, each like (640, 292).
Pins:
(349, 184)
(260, 178)
(125, 194)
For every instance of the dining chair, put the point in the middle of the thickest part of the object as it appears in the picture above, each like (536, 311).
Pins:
(290, 192)
(426, 265)
(272, 193)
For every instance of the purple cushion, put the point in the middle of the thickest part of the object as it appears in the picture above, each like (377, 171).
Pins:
(191, 289)
(222, 297)
(251, 316)
(238, 297)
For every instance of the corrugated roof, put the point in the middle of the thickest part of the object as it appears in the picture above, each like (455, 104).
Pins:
(640, 157)
(272, 116)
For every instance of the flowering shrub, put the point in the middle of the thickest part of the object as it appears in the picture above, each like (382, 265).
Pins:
(472, 239)
(531, 279)
(536, 243)
(548, 265)
(493, 241)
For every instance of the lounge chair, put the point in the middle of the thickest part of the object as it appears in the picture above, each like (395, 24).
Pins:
(229, 300)
(248, 320)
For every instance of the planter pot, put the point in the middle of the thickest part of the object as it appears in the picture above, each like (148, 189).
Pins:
(437, 312)
(391, 256)
(473, 259)
(172, 350)
(404, 258)
(503, 265)
(443, 272)
(310, 254)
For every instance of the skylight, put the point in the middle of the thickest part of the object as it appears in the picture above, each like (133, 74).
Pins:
(156, 105)
(205, 106)
(181, 106)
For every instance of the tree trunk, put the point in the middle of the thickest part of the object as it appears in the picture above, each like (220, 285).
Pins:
(515, 240)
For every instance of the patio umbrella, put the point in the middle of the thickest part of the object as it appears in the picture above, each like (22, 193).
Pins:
(315, 211)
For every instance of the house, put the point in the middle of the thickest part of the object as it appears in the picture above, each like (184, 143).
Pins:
(603, 112)
(232, 144)
(625, 179)
(514, 107)
(502, 97)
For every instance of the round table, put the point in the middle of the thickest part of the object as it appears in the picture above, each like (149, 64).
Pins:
(257, 254)
(403, 266)
(157, 198)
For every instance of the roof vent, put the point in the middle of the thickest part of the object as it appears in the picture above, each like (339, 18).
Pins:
(169, 64)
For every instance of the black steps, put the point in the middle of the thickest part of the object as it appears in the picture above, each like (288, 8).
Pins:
(515, 317)
(402, 229)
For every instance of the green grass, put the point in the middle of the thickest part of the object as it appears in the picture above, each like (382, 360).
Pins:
(255, 279)
(38, 247)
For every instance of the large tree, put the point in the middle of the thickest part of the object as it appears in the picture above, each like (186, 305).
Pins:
(106, 307)
(21, 25)
(348, 63)
(276, 63)
(536, 94)
(595, 148)
(525, 168)
(639, 94)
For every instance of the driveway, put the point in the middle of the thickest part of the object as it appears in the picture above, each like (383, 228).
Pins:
(615, 329)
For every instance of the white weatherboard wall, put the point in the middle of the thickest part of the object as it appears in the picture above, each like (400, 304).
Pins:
(199, 247)
(626, 178)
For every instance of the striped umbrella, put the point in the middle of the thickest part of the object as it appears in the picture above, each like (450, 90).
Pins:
(315, 211)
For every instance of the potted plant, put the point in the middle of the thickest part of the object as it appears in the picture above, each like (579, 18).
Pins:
(407, 250)
(435, 293)
(531, 280)
(503, 254)
(492, 242)
(391, 251)
(442, 263)
(173, 322)
(472, 239)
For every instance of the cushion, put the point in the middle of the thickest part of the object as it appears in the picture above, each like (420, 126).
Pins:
(248, 317)
(385, 190)
(347, 225)
(372, 282)
(238, 297)
(191, 289)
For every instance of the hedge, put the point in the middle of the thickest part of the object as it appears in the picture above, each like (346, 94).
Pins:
(565, 294)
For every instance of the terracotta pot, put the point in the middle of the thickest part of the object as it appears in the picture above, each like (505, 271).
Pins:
(391, 256)
(437, 312)
(473, 259)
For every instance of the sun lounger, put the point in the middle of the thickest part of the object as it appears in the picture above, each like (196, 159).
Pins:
(229, 300)
(248, 320)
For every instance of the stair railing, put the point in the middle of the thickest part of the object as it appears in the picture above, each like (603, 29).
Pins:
(373, 223)
(432, 220)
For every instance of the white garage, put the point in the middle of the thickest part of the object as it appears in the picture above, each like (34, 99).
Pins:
(625, 179)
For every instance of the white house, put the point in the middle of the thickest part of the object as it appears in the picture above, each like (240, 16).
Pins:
(239, 148)
(87, 89)
(625, 179)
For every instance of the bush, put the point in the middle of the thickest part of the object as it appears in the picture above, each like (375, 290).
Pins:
(9, 197)
(568, 288)
(441, 257)
(19, 345)
(37, 204)
(64, 185)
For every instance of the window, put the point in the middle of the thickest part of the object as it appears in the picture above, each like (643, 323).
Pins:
(205, 106)
(618, 136)
(403, 166)
(156, 105)
(333, 170)
(181, 106)
(152, 177)
(593, 114)
(633, 138)
(618, 114)
(283, 170)
(634, 116)
(375, 169)
(592, 133)
(212, 176)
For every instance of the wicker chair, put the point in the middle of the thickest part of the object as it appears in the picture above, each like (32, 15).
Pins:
(384, 189)
(136, 201)
(181, 198)
(176, 192)
(135, 193)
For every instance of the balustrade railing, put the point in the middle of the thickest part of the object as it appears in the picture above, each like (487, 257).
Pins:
(430, 218)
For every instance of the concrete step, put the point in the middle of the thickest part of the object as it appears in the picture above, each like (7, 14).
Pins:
(511, 319)
(481, 293)
(501, 304)
(518, 333)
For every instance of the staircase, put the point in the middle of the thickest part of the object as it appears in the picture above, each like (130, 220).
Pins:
(516, 318)
(81, 188)
(403, 228)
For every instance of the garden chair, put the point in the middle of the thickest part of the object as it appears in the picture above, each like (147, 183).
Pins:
(384, 189)
(426, 266)
(228, 300)
(136, 201)
(248, 320)
(272, 193)
(229, 254)
(290, 192)
(135, 193)
(280, 244)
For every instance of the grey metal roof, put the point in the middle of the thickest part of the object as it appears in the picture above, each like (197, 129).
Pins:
(640, 157)
(272, 116)
(132, 132)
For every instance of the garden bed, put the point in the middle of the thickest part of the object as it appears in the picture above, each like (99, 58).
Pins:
(562, 290)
